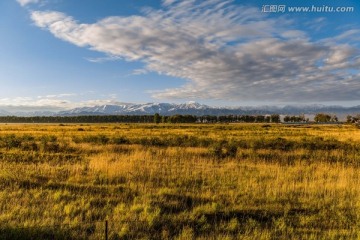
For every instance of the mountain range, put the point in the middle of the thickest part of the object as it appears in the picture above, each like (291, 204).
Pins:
(191, 108)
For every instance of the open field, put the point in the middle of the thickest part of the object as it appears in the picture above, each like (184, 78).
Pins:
(167, 181)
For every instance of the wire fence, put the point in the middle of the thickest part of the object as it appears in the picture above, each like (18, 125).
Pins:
(111, 230)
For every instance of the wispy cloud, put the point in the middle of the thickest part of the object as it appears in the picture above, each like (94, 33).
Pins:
(317, 24)
(168, 2)
(103, 59)
(26, 2)
(62, 95)
(52, 102)
(223, 50)
(140, 71)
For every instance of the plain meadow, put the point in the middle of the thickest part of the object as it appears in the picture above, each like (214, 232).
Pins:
(179, 181)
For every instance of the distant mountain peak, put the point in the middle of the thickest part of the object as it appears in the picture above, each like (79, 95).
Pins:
(190, 108)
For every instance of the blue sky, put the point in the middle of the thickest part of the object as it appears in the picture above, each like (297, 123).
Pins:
(57, 54)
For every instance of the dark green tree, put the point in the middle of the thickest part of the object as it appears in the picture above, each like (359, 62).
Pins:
(287, 119)
(275, 118)
(322, 117)
(157, 118)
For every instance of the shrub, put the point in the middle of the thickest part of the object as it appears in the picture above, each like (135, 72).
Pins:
(152, 141)
(29, 146)
(120, 140)
(96, 139)
(48, 143)
(11, 141)
(223, 149)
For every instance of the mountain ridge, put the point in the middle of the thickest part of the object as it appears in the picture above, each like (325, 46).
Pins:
(189, 108)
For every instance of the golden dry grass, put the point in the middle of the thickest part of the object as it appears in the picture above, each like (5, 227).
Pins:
(179, 181)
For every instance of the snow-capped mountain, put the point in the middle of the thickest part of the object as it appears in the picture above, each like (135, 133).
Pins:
(191, 108)
(4, 113)
(140, 109)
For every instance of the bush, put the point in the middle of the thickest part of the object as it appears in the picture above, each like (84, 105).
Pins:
(48, 143)
(11, 141)
(96, 139)
(319, 143)
(29, 146)
(120, 140)
(152, 141)
(223, 149)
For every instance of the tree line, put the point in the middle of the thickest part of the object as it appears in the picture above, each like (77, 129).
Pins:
(353, 119)
(80, 119)
(157, 118)
(319, 118)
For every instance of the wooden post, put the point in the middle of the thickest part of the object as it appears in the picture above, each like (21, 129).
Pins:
(106, 230)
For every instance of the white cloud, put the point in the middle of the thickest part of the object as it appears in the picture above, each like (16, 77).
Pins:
(294, 34)
(56, 102)
(222, 50)
(140, 71)
(168, 2)
(62, 95)
(353, 35)
(103, 59)
(317, 23)
(40, 101)
(26, 2)
(341, 54)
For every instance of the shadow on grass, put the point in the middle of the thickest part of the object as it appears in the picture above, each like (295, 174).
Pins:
(58, 232)
(174, 203)
(12, 233)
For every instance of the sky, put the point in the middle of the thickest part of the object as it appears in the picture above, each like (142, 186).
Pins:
(61, 54)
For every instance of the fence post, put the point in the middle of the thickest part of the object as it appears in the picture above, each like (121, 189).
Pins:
(106, 230)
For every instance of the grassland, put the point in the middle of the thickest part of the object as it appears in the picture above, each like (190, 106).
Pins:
(167, 181)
